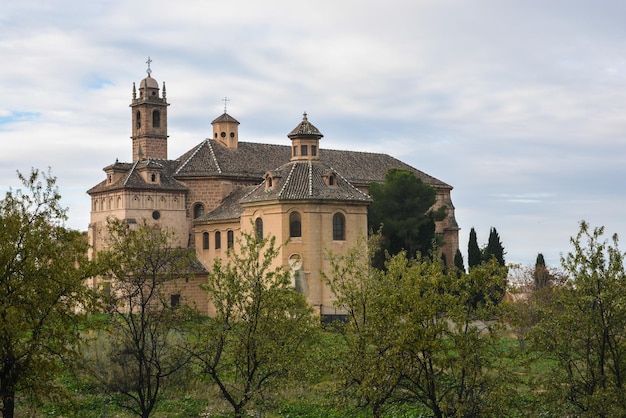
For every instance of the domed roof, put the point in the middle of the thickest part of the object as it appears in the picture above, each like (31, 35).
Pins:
(149, 82)
(306, 129)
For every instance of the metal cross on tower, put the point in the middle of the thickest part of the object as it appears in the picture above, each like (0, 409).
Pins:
(149, 71)
(225, 100)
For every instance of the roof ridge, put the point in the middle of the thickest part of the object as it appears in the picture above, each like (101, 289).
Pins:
(130, 172)
(310, 178)
(293, 168)
(212, 151)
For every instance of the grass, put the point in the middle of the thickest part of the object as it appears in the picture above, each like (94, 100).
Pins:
(189, 396)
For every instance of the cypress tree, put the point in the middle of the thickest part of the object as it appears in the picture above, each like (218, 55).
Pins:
(458, 262)
(494, 247)
(540, 275)
(474, 255)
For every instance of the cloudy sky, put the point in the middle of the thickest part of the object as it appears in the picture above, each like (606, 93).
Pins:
(519, 105)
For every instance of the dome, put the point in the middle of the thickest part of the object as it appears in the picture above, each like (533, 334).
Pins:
(149, 82)
(306, 129)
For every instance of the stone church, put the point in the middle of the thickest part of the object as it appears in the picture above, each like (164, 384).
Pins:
(308, 196)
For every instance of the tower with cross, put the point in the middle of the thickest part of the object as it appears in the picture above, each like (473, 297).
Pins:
(226, 128)
(149, 119)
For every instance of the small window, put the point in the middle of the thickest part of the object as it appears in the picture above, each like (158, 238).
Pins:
(304, 150)
(232, 134)
(295, 151)
(138, 119)
(218, 240)
(175, 300)
(205, 240)
(153, 178)
(198, 210)
(215, 135)
(230, 239)
(339, 227)
(156, 119)
(295, 225)
(270, 182)
(223, 134)
(331, 180)
(258, 224)
(313, 150)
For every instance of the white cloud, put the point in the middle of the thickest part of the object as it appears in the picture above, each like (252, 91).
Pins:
(518, 105)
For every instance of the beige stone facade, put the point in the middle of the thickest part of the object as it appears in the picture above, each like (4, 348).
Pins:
(313, 200)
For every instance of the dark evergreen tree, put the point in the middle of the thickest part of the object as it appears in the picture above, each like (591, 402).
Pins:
(402, 209)
(541, 275)
(474, 255)
(494, 248)
(458, 261)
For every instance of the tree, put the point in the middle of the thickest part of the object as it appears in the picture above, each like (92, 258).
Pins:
(147, 329)
(43, 266)
(474, 255)
(259, 338)
(415, 334)
(458, 261)
(541, 275)
(403, 208)
(494, 248)
(583, 330)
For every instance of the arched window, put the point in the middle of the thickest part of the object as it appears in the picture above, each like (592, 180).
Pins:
(295, 225)
(218, 240)
(198, 210)
(205, 240)
(138, 119)
(156, 119)
(230, 239)
(258, 225)
(339, 227)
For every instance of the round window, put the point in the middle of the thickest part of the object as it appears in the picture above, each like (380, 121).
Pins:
(223, 134)
(156, 215)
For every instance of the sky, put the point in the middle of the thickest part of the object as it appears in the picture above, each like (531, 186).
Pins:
(519, 105)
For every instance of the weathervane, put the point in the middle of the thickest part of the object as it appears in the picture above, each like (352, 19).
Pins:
(225, 100)
(149, 71)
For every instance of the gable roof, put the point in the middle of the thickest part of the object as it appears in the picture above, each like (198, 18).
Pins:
(252, 160)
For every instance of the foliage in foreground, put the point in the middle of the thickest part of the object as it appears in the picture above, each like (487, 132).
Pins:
(583, 330)
(418, 335)
(263, 329)
(146, 341)
(43, 266)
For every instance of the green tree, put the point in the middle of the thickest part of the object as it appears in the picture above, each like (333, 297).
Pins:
(415, 334)
(43, 266)
(494, 248)
(474, 254)
(541, 275)
(458, 261)
(402, 208)
(583, 330)
(147, 334)
(260, 336)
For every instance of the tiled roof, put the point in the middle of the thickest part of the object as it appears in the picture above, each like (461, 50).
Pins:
(229, 208)
(304, 180)
(252, 160)
(133, 180)
(306, 129)
(225, 117)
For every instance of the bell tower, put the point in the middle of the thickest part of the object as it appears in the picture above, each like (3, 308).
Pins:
(149, 119)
